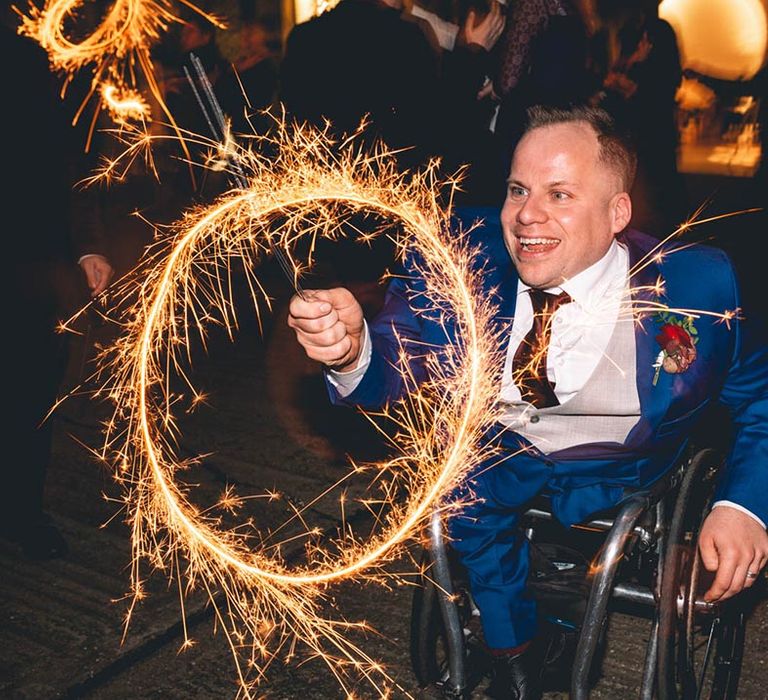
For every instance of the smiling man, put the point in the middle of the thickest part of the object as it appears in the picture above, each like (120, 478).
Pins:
(567, 199)
(586, 409)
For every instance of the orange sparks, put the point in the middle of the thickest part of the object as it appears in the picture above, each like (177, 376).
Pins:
(117, 50)
(305, 190)
(124, 105)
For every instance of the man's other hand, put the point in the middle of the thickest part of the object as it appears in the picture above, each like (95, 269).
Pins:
(329, 326)
(98, 272)
(733, 544)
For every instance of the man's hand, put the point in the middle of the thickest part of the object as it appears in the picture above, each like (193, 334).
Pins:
(98, 272)
(733, 544)
(329, 325)
(486, 31)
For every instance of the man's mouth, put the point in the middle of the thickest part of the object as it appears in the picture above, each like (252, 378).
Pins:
(538, 244)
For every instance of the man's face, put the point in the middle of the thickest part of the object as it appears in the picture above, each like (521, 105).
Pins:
(563, 205)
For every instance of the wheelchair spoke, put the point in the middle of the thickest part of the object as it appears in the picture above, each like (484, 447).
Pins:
(707, 656)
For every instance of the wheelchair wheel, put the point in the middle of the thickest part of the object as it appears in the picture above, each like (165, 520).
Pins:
(429, 651)
(700, 650)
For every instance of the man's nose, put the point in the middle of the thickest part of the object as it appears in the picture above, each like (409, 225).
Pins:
(532, 211)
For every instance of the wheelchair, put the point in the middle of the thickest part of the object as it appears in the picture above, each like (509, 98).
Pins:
(647, 561)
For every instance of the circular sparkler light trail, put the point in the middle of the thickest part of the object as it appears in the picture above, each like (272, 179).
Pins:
(306, 189)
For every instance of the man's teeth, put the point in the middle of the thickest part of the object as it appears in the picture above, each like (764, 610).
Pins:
(537, 241)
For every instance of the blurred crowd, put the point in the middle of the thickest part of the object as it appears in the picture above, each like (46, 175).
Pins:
(447, 79)
(451, 80)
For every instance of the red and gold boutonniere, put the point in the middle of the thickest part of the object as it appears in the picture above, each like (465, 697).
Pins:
(677, 337)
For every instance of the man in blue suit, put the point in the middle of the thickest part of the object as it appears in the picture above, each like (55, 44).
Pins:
(597, 397)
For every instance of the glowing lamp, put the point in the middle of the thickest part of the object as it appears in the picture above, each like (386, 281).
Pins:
(724, 39)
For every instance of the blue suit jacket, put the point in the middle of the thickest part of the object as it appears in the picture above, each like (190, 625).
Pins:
(731, 366)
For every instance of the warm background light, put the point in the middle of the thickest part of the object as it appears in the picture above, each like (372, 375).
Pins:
(298, 11)
(721, 38)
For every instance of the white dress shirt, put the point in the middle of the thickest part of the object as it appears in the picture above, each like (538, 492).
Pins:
(580, 334)
(580, 329)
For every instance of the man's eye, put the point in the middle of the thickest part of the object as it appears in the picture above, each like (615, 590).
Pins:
(516, 192)
(560, 196)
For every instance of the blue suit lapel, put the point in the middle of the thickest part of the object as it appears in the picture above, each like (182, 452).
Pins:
(644, 275)
(499, 274)
(499, 277)
(505, 283)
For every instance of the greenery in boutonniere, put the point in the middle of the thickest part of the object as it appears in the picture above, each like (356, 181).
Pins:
(677, 338)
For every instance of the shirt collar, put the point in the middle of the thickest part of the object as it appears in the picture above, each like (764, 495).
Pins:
(590, 286)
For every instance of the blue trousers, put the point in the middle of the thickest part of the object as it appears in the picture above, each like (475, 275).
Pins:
(486, 532)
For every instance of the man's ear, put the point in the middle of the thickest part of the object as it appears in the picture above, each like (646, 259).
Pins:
(620, 212)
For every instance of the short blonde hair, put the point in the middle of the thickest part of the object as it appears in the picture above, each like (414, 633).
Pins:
(616, 148)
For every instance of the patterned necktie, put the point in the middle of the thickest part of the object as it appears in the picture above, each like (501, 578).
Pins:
(529, 366)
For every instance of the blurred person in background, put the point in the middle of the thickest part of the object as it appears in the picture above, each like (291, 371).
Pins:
(362, 59)
(543, 60)
(45, 250)
(639, 88)
(469, 105)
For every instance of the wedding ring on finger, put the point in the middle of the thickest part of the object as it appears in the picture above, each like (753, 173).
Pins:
(752, 574)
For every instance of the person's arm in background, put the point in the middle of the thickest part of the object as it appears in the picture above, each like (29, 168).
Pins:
(469, 65)
(469, 106)
(528, 19)
(89, 240)
(45, 164)
(98, 272)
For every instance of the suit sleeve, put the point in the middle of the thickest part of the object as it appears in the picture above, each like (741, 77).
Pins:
(745, 393)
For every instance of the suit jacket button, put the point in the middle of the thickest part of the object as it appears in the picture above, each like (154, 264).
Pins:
(534, 419)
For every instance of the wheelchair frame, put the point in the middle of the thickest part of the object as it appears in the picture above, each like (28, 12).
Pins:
(642, 520)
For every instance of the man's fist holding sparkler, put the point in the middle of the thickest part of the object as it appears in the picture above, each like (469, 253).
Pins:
(329, 325)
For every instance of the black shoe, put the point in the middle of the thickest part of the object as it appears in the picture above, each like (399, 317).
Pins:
(516, 677)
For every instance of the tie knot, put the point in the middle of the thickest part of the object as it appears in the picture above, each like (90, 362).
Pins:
(545, 303)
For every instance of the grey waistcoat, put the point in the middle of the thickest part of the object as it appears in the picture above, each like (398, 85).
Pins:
(605, 409)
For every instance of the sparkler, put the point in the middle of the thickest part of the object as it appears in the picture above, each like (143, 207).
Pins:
(218, 123)
(118, 50)
(128, 104)
(305, 190)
